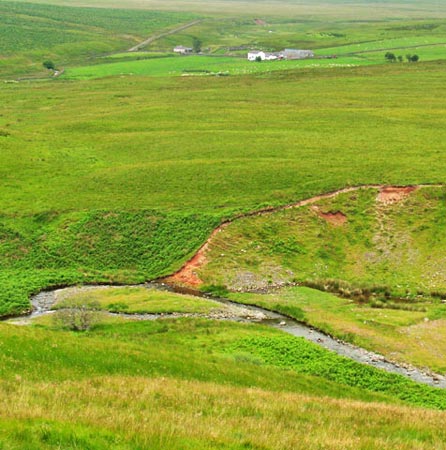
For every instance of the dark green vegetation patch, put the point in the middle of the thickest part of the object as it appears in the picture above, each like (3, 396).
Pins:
(307, 358)
(100, 246)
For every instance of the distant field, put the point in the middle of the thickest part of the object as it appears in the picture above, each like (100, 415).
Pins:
(223, 35)
(136, 55)
(426, 53)
(32, 33)
(353, 43)
(360, 10)
(384, 45)
(201, 65)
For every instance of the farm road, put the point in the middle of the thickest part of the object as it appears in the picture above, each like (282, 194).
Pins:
(166, 33)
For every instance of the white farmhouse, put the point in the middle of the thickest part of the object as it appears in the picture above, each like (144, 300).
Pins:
(256, 55)
(182, 50)
(288, 53)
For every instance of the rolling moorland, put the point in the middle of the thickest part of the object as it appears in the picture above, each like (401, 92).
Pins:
(118, 170)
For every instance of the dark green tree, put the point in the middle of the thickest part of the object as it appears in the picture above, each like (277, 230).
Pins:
(49, 65)
(196, 45)
(390, 57)
(412, 58)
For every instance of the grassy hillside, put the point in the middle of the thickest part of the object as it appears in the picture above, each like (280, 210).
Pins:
(238, 418)
(119, 172)
(109, 177)
(91, 158)
(218, 144)
(395, 249)
(32, 33)
(384, 257)
(64, 389)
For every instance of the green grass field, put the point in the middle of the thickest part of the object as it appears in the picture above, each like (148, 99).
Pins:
(117, 143)
(64, 389)
(139, 300)
(86, 164)
(118, 171)
(201, 66)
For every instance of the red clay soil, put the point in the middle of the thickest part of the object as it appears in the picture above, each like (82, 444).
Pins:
(392, 194)
(336, 218)
(188, 276)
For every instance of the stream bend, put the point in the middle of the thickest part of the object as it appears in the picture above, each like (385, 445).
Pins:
(43, 302)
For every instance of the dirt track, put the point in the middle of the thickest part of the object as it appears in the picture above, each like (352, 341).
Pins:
(161, 35)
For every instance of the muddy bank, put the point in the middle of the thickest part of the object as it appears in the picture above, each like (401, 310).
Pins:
(44, 301)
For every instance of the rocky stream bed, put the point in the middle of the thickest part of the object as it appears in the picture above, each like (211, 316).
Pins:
(44, 301)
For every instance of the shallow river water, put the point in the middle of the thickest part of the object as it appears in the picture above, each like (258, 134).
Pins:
(44, 301)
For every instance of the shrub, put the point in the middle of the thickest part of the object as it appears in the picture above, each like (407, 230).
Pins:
(78, 315)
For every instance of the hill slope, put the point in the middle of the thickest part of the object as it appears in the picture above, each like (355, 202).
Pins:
(32, 33)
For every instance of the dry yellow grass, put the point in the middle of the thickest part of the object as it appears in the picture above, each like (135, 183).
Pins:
(211, 415)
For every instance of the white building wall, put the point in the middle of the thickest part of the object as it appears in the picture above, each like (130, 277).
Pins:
(252, 56)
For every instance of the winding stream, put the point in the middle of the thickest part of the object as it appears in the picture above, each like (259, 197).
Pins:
(43, 302)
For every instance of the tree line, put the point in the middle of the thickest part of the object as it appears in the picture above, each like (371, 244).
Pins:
(391, 57)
